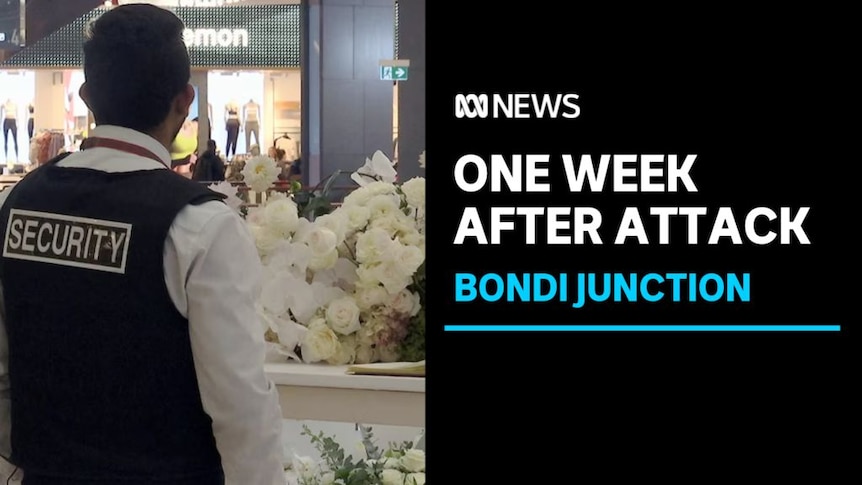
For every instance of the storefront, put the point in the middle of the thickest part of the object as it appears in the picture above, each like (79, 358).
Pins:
(246, 72)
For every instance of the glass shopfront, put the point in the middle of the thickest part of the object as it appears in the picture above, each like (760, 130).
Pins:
(245, 61)
(16, 101)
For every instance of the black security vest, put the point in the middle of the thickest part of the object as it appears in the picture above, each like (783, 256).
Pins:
(103, 385)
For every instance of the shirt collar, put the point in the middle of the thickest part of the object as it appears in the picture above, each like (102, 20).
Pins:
(134, 137)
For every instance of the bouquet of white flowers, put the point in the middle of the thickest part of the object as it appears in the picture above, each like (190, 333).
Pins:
(347, 287)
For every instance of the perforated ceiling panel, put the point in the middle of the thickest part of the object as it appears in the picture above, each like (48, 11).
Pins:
(259, 36)
(396, 31)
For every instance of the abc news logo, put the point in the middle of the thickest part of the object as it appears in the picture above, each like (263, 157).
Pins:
(517, 105)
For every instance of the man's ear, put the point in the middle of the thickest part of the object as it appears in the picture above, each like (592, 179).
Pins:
(84, 93)
(184, 100)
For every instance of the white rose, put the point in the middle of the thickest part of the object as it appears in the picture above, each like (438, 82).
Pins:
(320, 342)
(362, 195)
(391, 477)
(321, 240)
(413, 460)
(265, 239)
(414, 192)
(384, 205)
(390, 223)
(406, 302)
(346, 353)
(342, 315)
(367, 297)
(410, 258)
(281, 215)
(323, 261)
(335, 222)
(392, 276)
(365, 354)
(357, 216)
(412, 238)
(391, 463)
(372, 245)
(415, 479)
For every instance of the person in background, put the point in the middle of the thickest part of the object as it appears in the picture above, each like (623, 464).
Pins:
(295, 172)
(209, 167)
(148, 366)
(282, 163)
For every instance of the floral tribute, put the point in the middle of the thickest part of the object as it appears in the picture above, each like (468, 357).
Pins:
(398, 464)
(347, 286)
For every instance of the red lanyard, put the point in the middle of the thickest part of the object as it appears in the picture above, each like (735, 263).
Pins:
(122, 146)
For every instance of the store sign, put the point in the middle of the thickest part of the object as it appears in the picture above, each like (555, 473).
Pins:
(234, 36)
(215, 37)
(186, 3)
(205, 3)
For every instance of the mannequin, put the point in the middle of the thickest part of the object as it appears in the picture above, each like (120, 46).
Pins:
(30, 122)
(232, 123)
(10, 123)
(251, 121)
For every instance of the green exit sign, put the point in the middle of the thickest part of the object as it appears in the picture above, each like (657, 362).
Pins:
(393, 73)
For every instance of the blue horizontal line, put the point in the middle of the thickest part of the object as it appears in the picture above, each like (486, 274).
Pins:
(642, 328)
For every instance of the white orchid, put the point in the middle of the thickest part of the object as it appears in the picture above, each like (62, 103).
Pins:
(377, 168)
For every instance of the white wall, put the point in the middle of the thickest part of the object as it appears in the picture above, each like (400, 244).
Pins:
(282, 86)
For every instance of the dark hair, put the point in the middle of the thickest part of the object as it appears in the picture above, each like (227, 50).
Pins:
(135, 64)
(211, 145)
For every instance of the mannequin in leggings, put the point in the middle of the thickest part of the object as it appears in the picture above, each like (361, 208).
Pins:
(251, 122)
(232, 124)
(10, 125)
(30, 121)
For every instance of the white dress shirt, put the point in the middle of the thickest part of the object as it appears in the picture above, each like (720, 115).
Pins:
(212, 272)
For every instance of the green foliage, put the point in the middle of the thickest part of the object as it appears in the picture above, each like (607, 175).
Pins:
(342, 465)
(317, 201)
(413, 347)
(342, 468)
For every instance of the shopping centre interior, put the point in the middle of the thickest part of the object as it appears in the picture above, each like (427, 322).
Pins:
(249, 79)
(309, 76)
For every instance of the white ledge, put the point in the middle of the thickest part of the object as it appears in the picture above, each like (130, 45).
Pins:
(335, 376)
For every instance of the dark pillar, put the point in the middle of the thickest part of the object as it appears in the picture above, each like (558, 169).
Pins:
(411, 93)
(347, 109)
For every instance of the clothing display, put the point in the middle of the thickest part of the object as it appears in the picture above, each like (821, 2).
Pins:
(232, 125)
(289, 145)
(251, 121)
(30, 123)
(10, 125)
